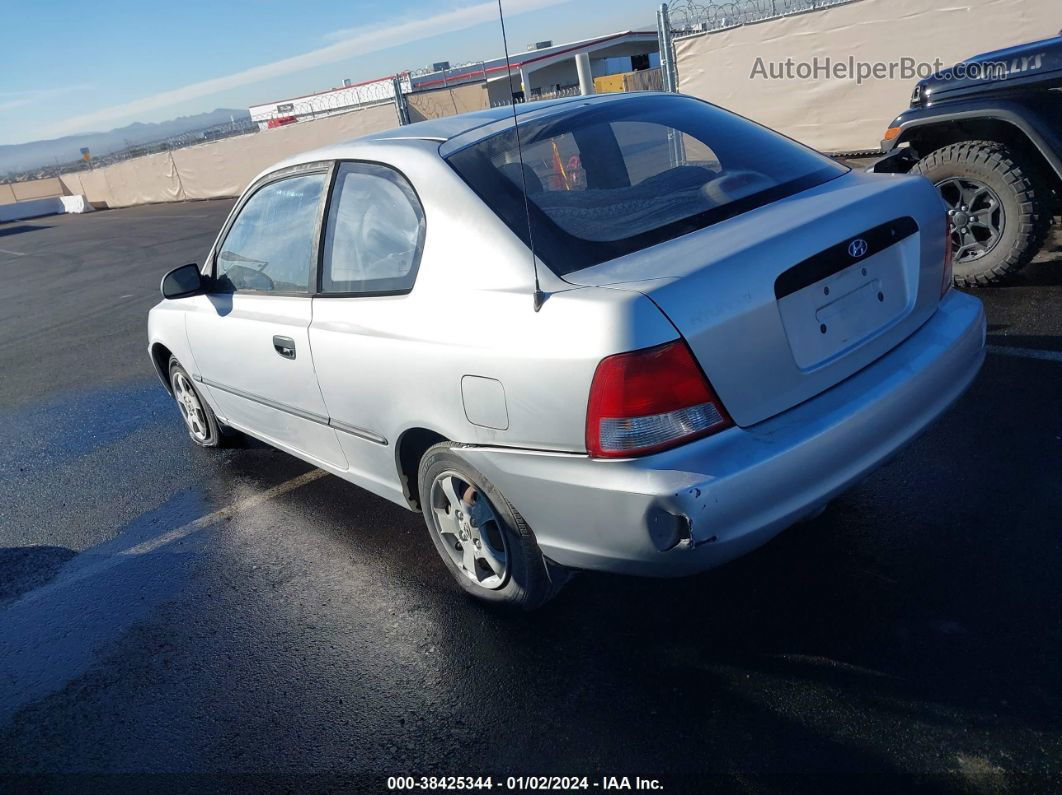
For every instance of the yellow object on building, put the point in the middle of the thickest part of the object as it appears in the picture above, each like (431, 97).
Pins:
(609, 84)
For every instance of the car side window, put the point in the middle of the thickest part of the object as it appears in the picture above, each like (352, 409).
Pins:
(374, 234)
(270, 245)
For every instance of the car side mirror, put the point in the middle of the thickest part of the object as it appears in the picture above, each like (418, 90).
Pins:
(183, 281)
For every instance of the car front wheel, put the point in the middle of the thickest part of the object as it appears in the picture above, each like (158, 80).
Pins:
(997, 208)
(482, 540)
(199, 418)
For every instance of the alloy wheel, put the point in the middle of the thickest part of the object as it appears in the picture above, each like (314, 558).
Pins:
(470, 530)
(191, 408)
(975, 216)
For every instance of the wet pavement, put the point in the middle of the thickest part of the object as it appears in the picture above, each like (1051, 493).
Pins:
(167, 611)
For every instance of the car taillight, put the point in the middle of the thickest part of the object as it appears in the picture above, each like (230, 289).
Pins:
(949, 259)
(648, 400)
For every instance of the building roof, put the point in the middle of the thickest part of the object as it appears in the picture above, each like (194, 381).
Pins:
(531, 58)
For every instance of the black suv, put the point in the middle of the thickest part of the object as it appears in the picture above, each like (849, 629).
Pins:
(988, 133)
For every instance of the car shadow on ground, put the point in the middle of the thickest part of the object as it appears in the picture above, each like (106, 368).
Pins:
(1046, 269)
(18, 229)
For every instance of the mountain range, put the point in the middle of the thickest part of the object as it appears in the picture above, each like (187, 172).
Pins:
(35, 154)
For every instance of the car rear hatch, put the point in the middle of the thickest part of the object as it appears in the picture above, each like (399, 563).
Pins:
(783, 302)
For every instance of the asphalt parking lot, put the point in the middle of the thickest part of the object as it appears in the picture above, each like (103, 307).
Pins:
(167, 610)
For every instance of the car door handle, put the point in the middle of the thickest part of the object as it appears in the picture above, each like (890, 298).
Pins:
(285, 346)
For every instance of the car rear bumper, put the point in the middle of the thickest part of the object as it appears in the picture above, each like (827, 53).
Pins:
(734, 491)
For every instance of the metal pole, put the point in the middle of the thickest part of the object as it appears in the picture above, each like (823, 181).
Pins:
(668, 72)
(669, 77)
(672, 62)
(525, 84)
(401, 108)
(582, 68)
(661, 39)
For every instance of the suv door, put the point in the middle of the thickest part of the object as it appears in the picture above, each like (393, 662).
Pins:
(374, 235)
(250, 334)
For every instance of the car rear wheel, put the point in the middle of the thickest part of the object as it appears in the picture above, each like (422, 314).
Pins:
(199, 419)
(997, 208)
(483, 541)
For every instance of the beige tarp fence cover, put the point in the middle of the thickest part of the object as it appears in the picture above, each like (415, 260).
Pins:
(218, 169)
(447, 101)
(91, 184)
(645, 80)
(31, 190)
(143, 180)
(842, 115)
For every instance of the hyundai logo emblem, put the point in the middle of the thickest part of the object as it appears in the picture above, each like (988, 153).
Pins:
(858, 248)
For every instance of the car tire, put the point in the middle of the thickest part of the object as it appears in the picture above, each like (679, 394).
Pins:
(199, 419)
(529, 579)
(1016, 233)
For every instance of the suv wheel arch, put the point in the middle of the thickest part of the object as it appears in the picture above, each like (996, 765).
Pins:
(934, 134)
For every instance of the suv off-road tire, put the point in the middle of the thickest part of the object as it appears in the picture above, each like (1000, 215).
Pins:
(1023, 196)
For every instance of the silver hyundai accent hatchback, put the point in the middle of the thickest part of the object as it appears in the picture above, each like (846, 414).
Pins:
(636, 333)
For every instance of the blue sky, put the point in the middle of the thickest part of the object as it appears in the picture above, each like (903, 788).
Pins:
(70, 67)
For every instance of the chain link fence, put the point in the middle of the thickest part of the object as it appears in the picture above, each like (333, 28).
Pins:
(689, 18)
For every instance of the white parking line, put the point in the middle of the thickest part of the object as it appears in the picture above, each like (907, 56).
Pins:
(203, 521)
(9, 251)
(1026, 353)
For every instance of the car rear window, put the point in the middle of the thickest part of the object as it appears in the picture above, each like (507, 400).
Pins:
(606, 180)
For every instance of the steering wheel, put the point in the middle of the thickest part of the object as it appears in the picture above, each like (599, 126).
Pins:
(732, 185)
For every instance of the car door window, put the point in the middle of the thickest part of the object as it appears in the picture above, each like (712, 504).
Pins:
(374, 233)
(270, 245)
